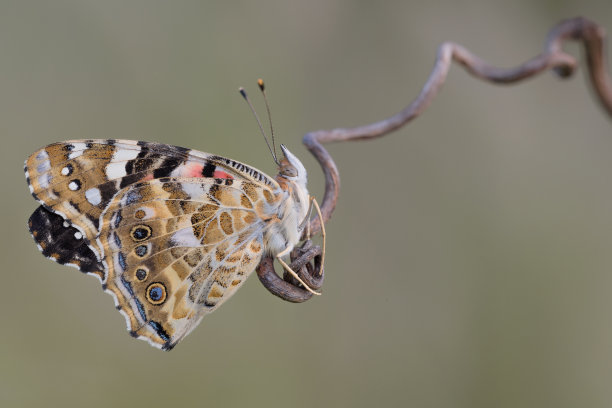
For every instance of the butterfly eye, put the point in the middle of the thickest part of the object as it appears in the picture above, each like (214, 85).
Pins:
(289, 171)
(156, 293)
(140, 232)
(141, 274)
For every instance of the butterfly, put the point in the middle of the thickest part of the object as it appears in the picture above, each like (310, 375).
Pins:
(171, 233)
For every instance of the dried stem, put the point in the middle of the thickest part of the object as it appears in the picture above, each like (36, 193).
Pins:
(590, 34)
(553, 57)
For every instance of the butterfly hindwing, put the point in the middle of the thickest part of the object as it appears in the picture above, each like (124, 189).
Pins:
(176, 248)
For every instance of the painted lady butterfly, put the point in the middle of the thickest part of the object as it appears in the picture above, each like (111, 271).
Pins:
(170, 232)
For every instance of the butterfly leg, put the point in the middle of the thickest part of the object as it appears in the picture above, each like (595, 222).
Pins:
(295, 275)
(306, 222)
(301, 273)
(316, 206)
(306, 262)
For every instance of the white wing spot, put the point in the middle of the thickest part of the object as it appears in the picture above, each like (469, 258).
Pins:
(125, 154)
(116, 168)
(44, 166)
(44, 180)
(185, 237)
(65, 171)
(93, 196)
(77, 150)
(73, 186)
(194, 190)
(78, 235)
(42, 155)
(72, 265)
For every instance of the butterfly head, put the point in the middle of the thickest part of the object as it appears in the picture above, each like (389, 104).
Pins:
(292, 169)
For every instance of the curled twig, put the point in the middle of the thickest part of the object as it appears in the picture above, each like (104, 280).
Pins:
(288, 288)
(590, 34)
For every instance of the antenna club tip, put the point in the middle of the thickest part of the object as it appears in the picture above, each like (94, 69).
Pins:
(260, 82)
(242, 92)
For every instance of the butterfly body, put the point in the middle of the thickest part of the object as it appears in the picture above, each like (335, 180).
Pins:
(293, 208)
(170, 232)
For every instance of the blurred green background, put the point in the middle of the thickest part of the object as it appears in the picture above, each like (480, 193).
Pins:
(469, 260)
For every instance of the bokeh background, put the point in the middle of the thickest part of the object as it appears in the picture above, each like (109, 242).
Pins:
(469, 261)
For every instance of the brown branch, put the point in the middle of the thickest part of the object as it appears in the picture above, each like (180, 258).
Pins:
(591, 35)
(553, 57)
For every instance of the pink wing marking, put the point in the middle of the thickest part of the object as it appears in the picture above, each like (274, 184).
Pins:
(222, 175)
(196, 170)
(192, 170)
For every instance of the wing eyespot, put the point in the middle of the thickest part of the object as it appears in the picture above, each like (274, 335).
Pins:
(141, 251)
(142, 274)
(156, 293)
(141, 232)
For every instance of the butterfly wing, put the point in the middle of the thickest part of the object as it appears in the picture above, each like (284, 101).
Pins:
(87, 187)
(175, 249)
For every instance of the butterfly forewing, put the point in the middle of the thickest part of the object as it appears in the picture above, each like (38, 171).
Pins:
(77, 179)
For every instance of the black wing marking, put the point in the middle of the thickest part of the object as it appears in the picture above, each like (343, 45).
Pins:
(62, 242)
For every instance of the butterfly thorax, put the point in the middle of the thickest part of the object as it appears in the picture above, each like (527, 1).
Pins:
(293, 209)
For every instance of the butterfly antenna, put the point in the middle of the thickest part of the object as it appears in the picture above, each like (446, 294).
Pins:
(262, 87)
(246, 98)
